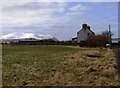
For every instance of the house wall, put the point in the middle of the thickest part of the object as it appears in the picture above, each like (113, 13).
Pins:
(83, 34)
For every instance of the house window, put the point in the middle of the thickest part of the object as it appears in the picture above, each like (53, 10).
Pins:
(88, 34)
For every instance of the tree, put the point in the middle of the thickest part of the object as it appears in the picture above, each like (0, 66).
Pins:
(97, 41)
(107, 33)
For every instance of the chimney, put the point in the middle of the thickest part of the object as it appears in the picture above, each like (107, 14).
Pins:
(84, 26)
(88, 27)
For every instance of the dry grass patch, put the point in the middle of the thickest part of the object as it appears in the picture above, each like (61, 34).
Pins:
(58, 66)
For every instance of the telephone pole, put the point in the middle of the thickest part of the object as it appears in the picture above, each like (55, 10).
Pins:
(110, 40)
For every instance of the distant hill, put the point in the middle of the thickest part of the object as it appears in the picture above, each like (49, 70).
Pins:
(26, 36)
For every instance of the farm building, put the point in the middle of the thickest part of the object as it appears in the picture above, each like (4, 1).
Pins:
(74, 40)
(84, 33)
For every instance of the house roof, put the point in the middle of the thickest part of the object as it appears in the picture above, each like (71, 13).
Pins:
(85, 26)
(87, 29)
(91, 31)
(74, 38)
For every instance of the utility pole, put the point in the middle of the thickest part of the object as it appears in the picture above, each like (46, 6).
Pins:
(110, 40)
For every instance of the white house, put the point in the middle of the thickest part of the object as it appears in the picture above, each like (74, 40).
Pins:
(84, 33)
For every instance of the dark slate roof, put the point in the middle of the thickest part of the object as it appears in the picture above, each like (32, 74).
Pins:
(91, 31)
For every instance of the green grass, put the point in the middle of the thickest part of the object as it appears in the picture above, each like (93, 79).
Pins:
(45, 65)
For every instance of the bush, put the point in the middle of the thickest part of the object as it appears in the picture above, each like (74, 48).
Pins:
(97, 41)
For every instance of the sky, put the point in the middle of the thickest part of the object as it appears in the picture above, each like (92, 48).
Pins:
(62, 19)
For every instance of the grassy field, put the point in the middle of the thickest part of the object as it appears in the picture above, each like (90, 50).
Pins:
(44, 65)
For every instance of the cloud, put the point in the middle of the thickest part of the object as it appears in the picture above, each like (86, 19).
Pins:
(23, 15)
(11, 3)
(38, 17)
(78, 7)
(77, 10)
(92, 0)
(60, 19)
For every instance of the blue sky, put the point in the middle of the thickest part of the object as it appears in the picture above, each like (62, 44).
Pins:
(60, 19)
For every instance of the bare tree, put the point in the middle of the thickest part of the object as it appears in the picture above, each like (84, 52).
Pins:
(107, 33)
